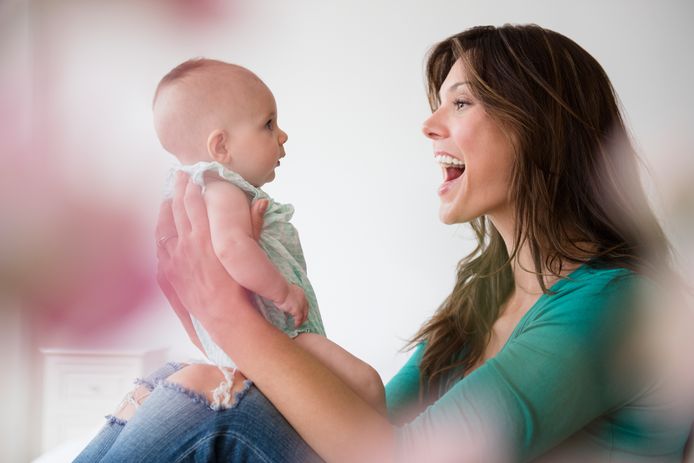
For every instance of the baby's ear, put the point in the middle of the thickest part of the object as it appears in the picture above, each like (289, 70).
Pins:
(217, 146)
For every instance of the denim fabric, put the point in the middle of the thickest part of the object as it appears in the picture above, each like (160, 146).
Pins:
(176, 425)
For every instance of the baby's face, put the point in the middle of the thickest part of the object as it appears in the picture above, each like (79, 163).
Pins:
(225, 114)
(255, 141)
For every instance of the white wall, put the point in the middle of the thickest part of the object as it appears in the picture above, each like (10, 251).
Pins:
(348, 80)
(347, 77)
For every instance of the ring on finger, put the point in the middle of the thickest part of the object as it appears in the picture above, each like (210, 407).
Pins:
(161, 242)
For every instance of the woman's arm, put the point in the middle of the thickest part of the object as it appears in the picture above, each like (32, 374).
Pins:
(357, 374)
(339, 425)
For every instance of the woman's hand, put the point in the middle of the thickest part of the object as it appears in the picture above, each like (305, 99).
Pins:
(165, 231)
(189, 273)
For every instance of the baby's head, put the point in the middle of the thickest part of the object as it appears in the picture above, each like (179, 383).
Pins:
(208, 110)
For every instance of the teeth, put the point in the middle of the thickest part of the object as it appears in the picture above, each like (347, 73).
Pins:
(446, 160)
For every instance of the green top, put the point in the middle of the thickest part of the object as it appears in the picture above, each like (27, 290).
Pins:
(555, 385)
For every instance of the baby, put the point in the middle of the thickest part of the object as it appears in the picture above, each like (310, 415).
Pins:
(220, 121)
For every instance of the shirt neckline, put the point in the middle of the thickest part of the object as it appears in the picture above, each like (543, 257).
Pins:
(554, 289)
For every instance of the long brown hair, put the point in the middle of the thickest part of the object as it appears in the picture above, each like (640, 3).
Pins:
(575, 181)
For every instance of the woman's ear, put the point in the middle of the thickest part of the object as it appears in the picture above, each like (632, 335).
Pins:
(218, 146)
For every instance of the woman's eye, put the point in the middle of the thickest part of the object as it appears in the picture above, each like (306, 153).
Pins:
(460, 104)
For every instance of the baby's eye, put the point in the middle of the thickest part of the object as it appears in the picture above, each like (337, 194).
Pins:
(268, 124)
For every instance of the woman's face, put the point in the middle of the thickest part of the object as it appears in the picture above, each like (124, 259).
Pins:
(475, 154)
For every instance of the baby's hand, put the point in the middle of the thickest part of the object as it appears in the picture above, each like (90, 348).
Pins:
(295, 304)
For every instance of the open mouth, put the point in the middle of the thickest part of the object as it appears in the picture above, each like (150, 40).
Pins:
(452, 167)
(451, 173)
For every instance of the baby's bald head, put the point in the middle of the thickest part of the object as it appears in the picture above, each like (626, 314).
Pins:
(198, 97)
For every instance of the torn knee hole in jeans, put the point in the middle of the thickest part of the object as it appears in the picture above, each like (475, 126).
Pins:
(130, 403)
(114, 420)
(163, 372)
(133, 399)
(222, 396)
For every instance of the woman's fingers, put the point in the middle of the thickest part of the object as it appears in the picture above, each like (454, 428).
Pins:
(180, 310)
(196, 210)
(178, 207)
(165, 223)
(165, 230)
(258, 209)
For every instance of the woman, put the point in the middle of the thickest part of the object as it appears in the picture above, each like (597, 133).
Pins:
(529, 357)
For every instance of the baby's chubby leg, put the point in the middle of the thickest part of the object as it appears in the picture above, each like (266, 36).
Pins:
(359, 375)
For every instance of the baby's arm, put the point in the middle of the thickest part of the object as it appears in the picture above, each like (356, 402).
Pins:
(361, 377)
(228, 211)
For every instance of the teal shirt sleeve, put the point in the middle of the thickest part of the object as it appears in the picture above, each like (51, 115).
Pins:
(552, 378)
(402, 391)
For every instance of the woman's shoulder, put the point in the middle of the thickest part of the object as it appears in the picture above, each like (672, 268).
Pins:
(596, 280)
(591, 293)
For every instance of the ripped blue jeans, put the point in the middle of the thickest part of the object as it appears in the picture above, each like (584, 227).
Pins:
(178, 425)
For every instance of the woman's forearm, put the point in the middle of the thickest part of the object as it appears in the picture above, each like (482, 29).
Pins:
(357, 374)
(334, 421)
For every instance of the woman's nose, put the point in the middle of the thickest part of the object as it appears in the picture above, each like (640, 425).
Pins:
(432, 129)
